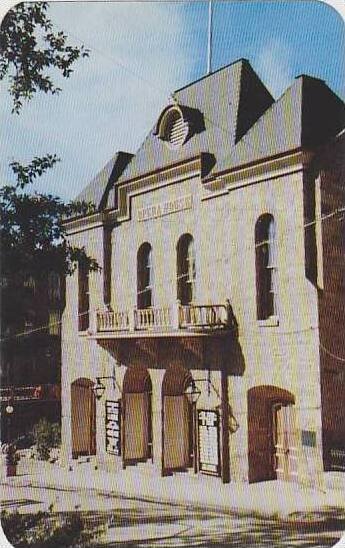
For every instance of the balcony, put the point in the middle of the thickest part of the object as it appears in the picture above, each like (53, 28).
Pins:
(175, 320)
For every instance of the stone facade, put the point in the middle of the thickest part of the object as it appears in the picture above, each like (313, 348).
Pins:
(261, 377)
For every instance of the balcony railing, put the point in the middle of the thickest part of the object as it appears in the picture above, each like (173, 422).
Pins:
(203, 316)
(152, 318)
(112, 321)
(47, 392)
(178, 317)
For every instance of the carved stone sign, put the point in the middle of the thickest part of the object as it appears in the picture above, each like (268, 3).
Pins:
(165, 208)
(113, 427)
(208, 437)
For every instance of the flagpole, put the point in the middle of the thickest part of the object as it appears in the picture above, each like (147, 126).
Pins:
(209, 42)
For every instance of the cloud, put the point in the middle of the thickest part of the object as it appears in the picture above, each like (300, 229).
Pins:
(274, 64)
(139, 54)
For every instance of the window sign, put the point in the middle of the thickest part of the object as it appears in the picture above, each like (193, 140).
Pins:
(113, 427)
(309, 438)
(208, 438)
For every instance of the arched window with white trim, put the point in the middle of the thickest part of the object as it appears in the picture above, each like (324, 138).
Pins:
(144, 276)
(186, 271)
(266, 267)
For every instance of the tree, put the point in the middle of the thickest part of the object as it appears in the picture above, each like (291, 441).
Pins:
(33, 238)
(29, 49)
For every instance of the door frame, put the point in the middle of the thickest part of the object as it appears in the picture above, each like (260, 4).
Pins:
(85, 384)
(262, 400)
(137, 380)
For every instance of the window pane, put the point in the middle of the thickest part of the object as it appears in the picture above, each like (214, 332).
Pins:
(144, 271)
(186, 271)
(265, 251)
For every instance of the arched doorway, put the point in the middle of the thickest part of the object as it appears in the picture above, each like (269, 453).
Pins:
(272, 451)
(83, 418)
(137, 439)
(177, 419)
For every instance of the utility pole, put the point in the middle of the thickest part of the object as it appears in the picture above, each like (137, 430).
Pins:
(209, 42)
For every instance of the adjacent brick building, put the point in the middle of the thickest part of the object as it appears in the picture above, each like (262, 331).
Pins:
(30, 352)
(215, 328)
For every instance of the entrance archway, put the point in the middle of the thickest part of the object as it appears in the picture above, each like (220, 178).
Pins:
(272, 451)
(83, 418)
(137, 439)
(177, 420)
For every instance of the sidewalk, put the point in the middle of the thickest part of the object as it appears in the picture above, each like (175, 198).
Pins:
(272, 498)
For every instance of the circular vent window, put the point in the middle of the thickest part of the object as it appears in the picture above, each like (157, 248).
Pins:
(173, 128)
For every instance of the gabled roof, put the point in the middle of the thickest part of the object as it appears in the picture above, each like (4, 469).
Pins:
(236, 122)
(307, 115)
(97, 191)
(230, 100)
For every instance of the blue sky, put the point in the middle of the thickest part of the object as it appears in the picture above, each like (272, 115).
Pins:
(142, 51)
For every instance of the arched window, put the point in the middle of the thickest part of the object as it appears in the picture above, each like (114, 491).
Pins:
(144, 276)
(265, 251)
(186, 269)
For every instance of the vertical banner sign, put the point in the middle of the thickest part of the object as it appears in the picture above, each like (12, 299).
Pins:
(208, 438)
(113, 427)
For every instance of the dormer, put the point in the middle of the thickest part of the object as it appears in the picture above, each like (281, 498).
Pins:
(177, 123)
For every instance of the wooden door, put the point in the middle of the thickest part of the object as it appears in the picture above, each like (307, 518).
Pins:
(177, 433)
(261, 448)
(136, 427)
(286, 454)
(83, 419)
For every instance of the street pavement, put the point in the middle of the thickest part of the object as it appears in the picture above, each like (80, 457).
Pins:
(133, 509)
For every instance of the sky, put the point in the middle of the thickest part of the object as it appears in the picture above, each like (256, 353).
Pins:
(140, 52)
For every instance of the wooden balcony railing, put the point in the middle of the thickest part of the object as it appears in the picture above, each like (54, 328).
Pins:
(178, 317)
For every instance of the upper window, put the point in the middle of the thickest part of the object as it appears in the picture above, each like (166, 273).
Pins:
(186, 269)
(83, 297)
(266, 268)
(54, 322)
(144, 276)
(173, 127)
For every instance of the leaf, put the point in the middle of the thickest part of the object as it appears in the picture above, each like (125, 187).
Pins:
(23, 62)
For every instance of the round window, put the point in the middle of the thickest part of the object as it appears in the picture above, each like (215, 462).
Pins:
(174, 129)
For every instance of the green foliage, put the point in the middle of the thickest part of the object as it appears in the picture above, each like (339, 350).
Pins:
(30, 48)
(32, 231)
(38, 166)
(43, 530)
(33, 239)
(46, 435)
(17, 527)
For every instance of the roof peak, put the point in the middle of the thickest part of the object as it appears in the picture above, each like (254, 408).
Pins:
(309, 77)
(238, 61)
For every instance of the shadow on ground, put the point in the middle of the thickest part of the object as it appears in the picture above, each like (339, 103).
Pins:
(208, 528)
(319, 529)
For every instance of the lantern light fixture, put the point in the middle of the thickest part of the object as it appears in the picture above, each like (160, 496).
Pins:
(99, 388)
(192, 393)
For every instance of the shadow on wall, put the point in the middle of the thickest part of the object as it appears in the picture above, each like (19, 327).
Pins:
(216, 352)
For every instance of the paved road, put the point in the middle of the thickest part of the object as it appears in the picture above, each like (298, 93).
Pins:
(133, 522)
